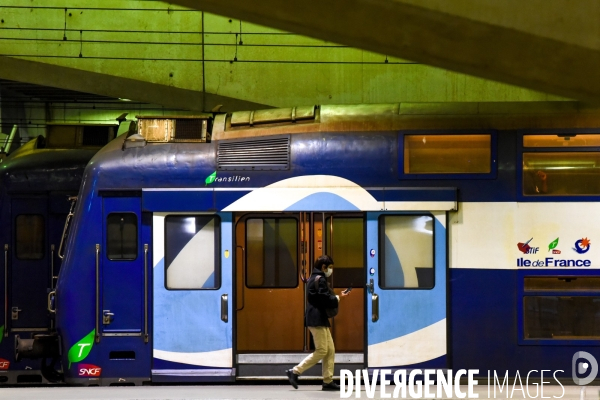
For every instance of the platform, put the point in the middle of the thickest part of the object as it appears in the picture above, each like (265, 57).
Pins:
(235, 391)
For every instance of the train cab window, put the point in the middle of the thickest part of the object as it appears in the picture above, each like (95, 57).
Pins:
(271, 252)
(565, 173)
(561, 308)
(121, 236)
(29, 237)
(347, 250)
(447, 154)
(406, 252)
(192, 250)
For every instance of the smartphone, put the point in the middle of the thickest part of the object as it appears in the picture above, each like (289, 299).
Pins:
(348, 290)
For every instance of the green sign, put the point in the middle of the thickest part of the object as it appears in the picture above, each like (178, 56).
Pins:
(553, 244)
(210, 179)
(81, 349)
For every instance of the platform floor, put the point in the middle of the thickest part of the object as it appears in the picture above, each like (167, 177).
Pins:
(236, 392)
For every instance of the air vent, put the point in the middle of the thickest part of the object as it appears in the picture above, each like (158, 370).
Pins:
(254, 154)
(175, 129)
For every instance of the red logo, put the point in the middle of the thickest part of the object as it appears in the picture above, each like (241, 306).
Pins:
(555, 251)
(4, 364)
(89, 370)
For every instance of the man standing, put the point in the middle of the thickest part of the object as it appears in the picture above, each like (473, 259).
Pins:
(319, 298)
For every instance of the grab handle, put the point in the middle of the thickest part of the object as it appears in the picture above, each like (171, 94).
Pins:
(63, 238)
(50, 298)
(224, 308)
(97, 293)
(146, 293)
(6, 290)
(375, 307)
(243, 275)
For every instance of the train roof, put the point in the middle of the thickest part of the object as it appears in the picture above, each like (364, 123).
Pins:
(406, 116)
(32, 167)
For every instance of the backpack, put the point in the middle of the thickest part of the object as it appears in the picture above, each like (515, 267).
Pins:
(331, 312)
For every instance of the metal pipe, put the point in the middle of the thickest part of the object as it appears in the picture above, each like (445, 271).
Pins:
(97, 293)
(63, 238)
(52, 277)
(6, 290)
(146, 293)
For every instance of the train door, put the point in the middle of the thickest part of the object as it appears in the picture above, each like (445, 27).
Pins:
(192, 290)
(29, 265)
(274, 258)
(122, 260)
(406, 299)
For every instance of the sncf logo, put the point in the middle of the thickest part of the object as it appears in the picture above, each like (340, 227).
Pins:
(4, 364)
(89, 370)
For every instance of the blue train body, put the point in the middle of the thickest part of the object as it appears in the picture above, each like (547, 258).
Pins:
(185, 259)
(35, 186)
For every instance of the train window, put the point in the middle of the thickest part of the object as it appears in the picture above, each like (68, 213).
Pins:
(561, 173)
(192, 250)
(271, 252)
(447, 154)
(406, 252)
(561, 317)
(29, 237)
(562, 140)
(347, 250)
(121, 236)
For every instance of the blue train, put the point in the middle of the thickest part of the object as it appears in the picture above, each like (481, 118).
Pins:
(466, 230)
(36, 184)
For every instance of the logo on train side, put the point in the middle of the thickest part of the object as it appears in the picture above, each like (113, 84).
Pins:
(235, 178)
(80, 350)
(4, 364)
(89, 370)
(552, 246)
(525, 248)
(582, 245)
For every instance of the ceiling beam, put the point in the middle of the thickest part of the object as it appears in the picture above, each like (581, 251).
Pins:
(432, 37)
(40, 73)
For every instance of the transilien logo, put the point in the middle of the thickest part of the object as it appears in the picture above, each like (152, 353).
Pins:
(81, 349)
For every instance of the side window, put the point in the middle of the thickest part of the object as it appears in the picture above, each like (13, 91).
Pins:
(561, 165)
(406, 252)
(121, 236)
(29, 236)
(447, 154)
(272, 252)
(192, 249)
(561, 308)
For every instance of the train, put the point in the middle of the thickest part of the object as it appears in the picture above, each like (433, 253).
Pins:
(466, 230)
(39, 182)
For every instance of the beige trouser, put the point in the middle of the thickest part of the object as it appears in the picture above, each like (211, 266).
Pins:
(324, 350)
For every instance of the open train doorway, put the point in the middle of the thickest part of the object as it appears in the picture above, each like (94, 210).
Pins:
(275, 253)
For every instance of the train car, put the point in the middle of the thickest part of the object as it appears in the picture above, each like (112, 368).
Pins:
(36, 184)
(466, 230)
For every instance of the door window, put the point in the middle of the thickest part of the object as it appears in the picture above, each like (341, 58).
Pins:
(272, 252)
(30, 236)
(192, 251)
(347, 250)
(121, 236)
(406, 252)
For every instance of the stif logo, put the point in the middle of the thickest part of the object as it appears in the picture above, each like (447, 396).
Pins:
(89, 370)
(525, 248)
(4, 364)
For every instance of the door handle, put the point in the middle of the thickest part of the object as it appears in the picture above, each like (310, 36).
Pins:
(15, 313)
(107, 317)
(224, 308)
(97, 338)
(146, 293)
(374, 307)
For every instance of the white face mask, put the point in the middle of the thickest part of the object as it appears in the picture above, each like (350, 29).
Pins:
(328, 272)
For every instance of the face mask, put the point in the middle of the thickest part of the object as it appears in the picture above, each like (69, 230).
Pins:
(328, 272)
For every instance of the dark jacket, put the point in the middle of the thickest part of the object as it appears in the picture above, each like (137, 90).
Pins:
(318, 298)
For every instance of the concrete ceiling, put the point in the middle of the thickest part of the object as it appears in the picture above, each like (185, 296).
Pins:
(550, 46)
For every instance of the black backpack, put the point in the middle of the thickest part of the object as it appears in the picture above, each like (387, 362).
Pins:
(331, 312)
